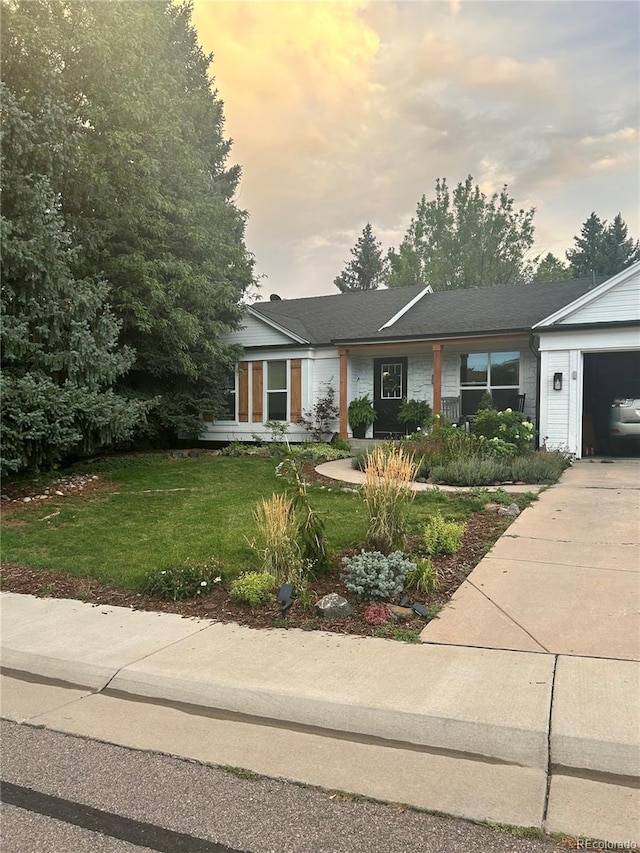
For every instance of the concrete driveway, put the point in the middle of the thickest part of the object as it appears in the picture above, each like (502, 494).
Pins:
(565, 579)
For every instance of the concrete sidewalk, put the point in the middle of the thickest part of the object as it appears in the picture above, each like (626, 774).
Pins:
(565, 578)
(446, 725)
(341, 469)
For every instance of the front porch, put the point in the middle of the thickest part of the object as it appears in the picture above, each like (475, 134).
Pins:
(438, 372)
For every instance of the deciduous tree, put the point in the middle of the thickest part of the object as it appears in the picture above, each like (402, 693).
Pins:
(151, 197)
(463, 239)
(547, 268)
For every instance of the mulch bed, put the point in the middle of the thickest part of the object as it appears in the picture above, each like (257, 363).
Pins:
(481, 531)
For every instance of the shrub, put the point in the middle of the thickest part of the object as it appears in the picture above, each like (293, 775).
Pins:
(377, 614)
(540, 467)
(341, 444)
(387, 494)
(424, 578)
(278, 547)
(415, 412)
(445, 444)
(188, 580)
(501, 449)
(442, 537)
(319, 452)
(319, 421)
(237, 448)
(359, 461)
(475, 471)
(509, 426)
(253, 588)
(372, 575)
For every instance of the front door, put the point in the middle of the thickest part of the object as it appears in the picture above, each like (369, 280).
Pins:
(389, 390)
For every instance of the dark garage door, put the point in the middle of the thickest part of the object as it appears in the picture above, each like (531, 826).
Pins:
(607, 375)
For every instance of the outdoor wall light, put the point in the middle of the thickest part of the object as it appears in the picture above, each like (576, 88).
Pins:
(557, 382)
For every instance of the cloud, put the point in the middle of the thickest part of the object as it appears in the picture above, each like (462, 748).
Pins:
(347, 112)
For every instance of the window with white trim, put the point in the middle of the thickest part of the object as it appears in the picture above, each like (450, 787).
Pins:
(228, 413)
(277, 390)
(495, 372)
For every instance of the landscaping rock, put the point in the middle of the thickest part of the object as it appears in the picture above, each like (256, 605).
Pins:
(400, 614)
(333, 606)
(512, 510)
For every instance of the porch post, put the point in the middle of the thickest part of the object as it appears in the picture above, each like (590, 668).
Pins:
(437, 377)
(344, 395)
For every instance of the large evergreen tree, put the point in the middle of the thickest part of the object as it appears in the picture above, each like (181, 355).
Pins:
(59, 336)
(602, 249)
(365, 271)
(151, 196)
(463, 240)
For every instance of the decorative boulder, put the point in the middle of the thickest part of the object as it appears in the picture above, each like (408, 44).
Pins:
(333, 606)
(401, 614)
(512, 510)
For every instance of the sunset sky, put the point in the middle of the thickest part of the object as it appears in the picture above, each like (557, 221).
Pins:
(347, 112)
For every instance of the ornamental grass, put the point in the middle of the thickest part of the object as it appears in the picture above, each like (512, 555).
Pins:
(387, 492)
(278, 527)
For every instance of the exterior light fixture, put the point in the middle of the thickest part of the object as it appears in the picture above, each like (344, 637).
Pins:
(285, 597)
(557, 382)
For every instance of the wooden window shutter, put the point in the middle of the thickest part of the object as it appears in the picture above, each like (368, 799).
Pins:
(296, 389)
(257, 392)
(243, 391)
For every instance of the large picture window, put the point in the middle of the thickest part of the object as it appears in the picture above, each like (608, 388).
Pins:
(495, 372)
(277, 390)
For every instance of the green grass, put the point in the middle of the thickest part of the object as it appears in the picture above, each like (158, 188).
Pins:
(159, 512)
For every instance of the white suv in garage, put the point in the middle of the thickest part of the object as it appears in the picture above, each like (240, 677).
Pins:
(624, 424)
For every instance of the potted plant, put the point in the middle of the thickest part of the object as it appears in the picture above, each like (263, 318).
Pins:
(414, 414)
(361, 415)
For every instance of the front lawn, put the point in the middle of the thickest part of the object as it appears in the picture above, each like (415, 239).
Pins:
(146, 513)
(164, 512)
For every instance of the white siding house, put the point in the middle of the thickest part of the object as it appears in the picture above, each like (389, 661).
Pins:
(560, 349)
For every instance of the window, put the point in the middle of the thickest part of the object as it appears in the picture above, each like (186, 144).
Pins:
(391, 381)
(228, 412)
(277, 392)
(496, 372)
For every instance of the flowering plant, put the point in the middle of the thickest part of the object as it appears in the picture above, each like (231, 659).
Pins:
(188, 580)
(508, 426)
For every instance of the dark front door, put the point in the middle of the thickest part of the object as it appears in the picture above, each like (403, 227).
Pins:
(389, 390)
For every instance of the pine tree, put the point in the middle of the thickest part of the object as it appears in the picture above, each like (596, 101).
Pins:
(366, 269)
(59, 344)
(602, 249)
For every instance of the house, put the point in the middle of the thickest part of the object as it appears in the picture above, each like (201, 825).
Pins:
(411, 343)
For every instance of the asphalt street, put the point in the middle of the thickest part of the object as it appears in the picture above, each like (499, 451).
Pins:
(82, 795)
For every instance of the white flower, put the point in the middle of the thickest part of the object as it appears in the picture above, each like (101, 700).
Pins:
(508, 410)
(203, 583)
(217, 580)
(163, 573)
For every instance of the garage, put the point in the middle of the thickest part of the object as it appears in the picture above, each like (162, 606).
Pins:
(608, 376)
(589, 356)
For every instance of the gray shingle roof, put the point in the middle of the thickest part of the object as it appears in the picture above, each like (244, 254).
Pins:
(357, 317)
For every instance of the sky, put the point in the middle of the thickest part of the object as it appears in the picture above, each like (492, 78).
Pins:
(343, 113)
